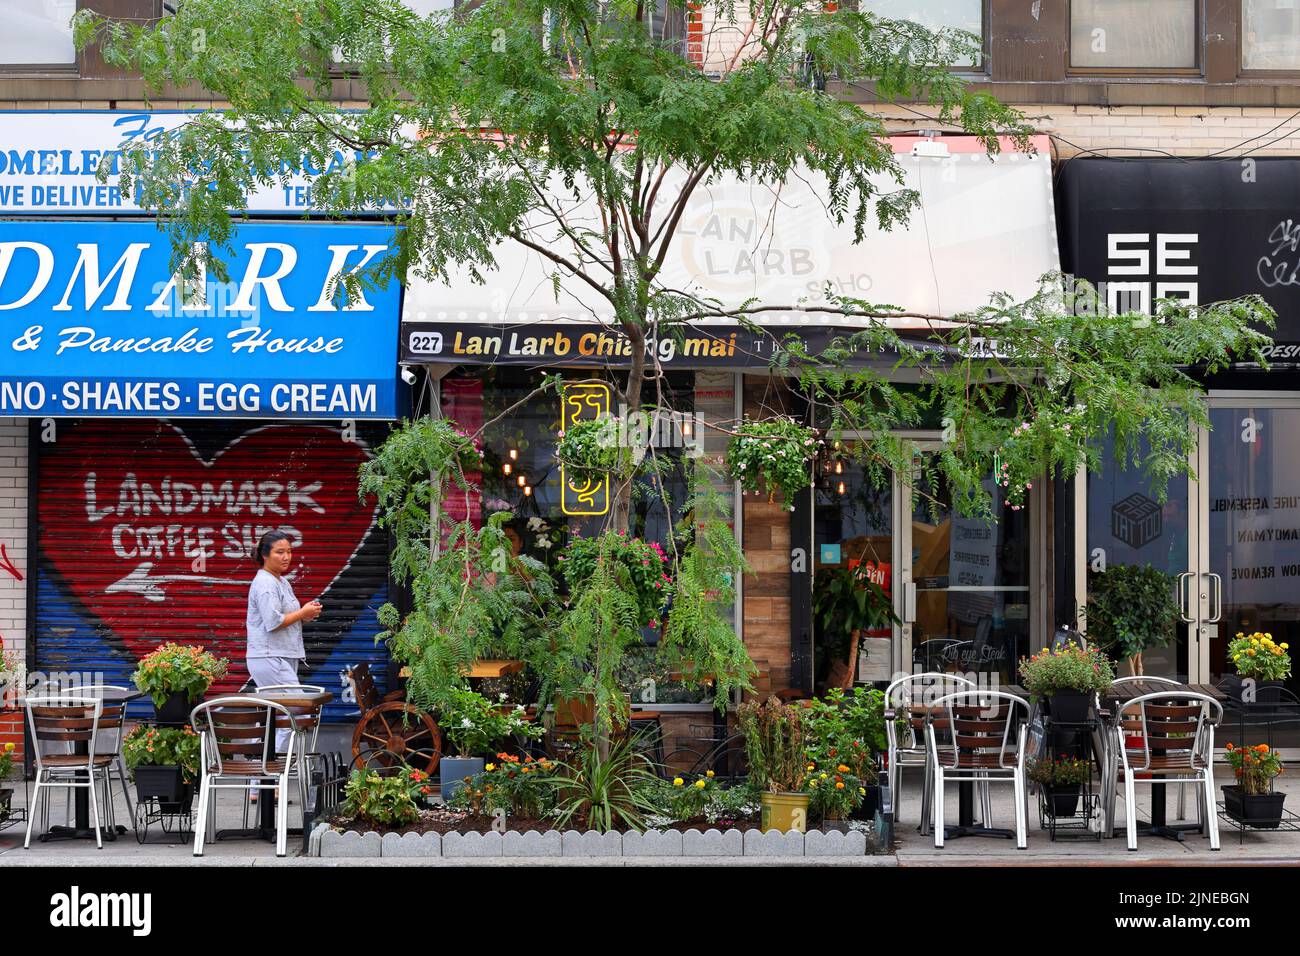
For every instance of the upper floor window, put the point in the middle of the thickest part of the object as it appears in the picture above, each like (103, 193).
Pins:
(965, 15)
(1270, 35)
(37, 33)
(1121, 34)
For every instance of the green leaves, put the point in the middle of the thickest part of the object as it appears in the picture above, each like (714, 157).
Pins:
(1131, 608)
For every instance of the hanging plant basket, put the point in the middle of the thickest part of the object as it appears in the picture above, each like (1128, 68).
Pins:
(593, 450)
(773, 455)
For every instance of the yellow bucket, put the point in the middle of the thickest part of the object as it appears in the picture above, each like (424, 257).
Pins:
(784, 811)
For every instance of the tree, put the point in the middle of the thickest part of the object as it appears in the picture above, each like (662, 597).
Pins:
(496, 125)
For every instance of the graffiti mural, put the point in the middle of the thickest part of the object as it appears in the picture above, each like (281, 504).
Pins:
(146, 531)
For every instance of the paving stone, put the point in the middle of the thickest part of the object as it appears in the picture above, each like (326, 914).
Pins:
(834, 843)
(471, 844)
(349, 844)
(653, 843)
(592, 843)
(713, 843)
(412, 844)
(532, 843)
(774, 843)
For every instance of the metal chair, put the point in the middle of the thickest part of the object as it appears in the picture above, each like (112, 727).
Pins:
(237, 752)
(66, 722)
(980, 724)
(907, 747)
(307, 713)
(1111, 771)
(112, 723)
(1177, 731)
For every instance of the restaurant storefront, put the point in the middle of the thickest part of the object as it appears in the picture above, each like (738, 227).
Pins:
(171, 421)
(1204, 231)
(977, 591)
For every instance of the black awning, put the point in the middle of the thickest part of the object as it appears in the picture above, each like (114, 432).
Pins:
(572, 344)
(1207, 229)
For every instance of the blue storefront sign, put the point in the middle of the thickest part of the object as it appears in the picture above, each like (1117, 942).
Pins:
(93, 322)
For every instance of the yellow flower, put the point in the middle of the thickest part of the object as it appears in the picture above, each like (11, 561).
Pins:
(490, 766)
(1285, 646)
(1239, 634)
(699, 784)
(678, 781)
(9, 748)
(1251, 652)
(812, 783)
(862, 790)
(709, 774)
(1269, 636)
(822, 777)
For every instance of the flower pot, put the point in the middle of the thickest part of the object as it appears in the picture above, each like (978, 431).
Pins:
(784, 811)
(166, 783)
(1070, 706)
(454, 770)
(870, 804)
(175, 710)
(1259, 810)
(1062, 799)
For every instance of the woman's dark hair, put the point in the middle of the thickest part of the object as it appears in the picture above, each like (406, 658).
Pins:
(266, 543)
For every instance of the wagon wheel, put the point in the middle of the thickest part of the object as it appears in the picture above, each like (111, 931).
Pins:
(401, 730)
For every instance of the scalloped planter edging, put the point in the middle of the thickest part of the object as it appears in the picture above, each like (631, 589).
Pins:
(327, 842)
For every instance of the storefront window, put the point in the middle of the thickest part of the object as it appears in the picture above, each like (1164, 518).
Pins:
(1128, 525)
(37, 33)
(520, 475)
(1270, 35)
(965, 15)
(1120, 34)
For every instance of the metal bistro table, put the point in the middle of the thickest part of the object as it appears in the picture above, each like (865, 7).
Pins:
(81, 828)
(1112, 702)
(265, 829)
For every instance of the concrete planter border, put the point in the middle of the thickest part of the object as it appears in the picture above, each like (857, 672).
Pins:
(326, 842)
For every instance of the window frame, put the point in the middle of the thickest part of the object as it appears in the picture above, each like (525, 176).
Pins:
(61, 70)
(980, 69)
(1242, 70)
(1198, 52)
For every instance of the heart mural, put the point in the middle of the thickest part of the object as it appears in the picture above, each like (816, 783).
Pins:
(155, 541)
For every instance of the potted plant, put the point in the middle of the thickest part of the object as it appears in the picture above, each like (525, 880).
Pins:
(776, 454)
(1132, 608)
(1061, 780)
(1257, 657)
(1253, 801)
(176, 676)
(845, 729)
(1068, 679)
(846, 604)
(476, 726)
(165, 764)
(774, 745)
(593, 450)
(641, 569)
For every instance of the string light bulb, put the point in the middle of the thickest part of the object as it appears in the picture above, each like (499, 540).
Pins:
(523, 480)
(514, 455)
(528, 491)
(840, 488)
(507, 468)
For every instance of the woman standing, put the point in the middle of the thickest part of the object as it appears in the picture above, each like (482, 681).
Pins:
(275, 620)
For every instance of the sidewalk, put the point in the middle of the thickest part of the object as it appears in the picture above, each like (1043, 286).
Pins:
(1258, 848)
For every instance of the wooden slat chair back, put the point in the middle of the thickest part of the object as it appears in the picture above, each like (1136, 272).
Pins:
(58, 724)
(981, 729)
(239, 736)
(1167, 734)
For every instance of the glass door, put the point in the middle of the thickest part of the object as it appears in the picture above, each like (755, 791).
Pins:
(968, 583)
(1250, 527)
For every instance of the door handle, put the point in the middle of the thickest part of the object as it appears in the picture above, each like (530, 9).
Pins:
(1184, 604)
(1216, 593)
(909, 602)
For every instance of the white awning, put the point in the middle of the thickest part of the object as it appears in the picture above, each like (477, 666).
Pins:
(985, 224)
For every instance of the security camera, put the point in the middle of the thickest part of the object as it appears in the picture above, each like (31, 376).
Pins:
(407, 375)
